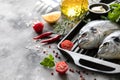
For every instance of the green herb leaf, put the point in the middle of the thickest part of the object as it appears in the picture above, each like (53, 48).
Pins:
(114, 14)
(48, 61)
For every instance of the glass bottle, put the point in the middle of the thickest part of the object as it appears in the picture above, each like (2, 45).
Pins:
(74, 9)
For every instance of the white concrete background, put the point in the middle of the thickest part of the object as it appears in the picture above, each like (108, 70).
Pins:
(16, 33)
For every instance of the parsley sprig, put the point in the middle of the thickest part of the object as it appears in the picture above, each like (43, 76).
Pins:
(48, 61)
(114, 14)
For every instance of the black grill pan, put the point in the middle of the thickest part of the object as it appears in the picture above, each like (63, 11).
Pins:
(88, 58)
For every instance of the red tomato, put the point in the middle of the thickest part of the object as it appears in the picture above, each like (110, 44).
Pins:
(38, 27)
(67, 44)
(61, 67)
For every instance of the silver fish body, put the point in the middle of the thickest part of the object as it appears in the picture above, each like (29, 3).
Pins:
(93, 33)
(110, 47)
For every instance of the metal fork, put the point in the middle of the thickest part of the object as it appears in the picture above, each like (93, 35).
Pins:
(42, 8)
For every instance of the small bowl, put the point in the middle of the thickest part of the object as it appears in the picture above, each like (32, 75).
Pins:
(104, 6)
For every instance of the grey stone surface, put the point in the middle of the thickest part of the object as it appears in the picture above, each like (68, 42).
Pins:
(19, 57)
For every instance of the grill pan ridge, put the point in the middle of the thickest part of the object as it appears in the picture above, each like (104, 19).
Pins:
(88, 58)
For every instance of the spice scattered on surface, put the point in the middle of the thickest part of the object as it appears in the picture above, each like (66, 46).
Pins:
(56, 53)
(49, 46)
(78, 71)
(53, 51)
(44, 52)
(81, 75)
(87, 73)
(71, 70)
(56, 56)
(95, 79)
(59, 57)
(82, 78)
(84, 71)
(52, 73)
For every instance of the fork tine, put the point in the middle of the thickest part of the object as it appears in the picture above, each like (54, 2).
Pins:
(39, 7)
(43, 9)
(48, 10)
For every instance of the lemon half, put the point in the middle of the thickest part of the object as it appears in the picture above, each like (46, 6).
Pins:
(52, 17)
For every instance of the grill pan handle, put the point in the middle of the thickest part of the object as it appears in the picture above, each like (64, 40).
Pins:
(93, 64)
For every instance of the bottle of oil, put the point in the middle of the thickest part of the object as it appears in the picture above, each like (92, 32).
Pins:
(73, 9)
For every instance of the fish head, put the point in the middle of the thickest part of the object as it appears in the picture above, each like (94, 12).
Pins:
(88, 37)
(109, 48)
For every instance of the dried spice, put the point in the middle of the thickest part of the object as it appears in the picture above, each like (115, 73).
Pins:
(63, 27)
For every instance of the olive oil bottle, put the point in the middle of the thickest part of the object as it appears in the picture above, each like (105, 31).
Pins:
(74, 9)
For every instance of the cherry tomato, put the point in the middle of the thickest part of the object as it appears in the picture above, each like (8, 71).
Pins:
(38, 27)
(67, 44)
(61, 67)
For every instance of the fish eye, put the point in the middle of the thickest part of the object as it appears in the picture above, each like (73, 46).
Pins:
(94, 30)
(105, 44)
(116, 39)
(84, 34)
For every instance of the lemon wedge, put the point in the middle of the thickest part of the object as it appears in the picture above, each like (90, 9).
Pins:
(52, 17)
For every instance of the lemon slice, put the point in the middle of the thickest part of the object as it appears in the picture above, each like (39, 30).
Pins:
(52, 17)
